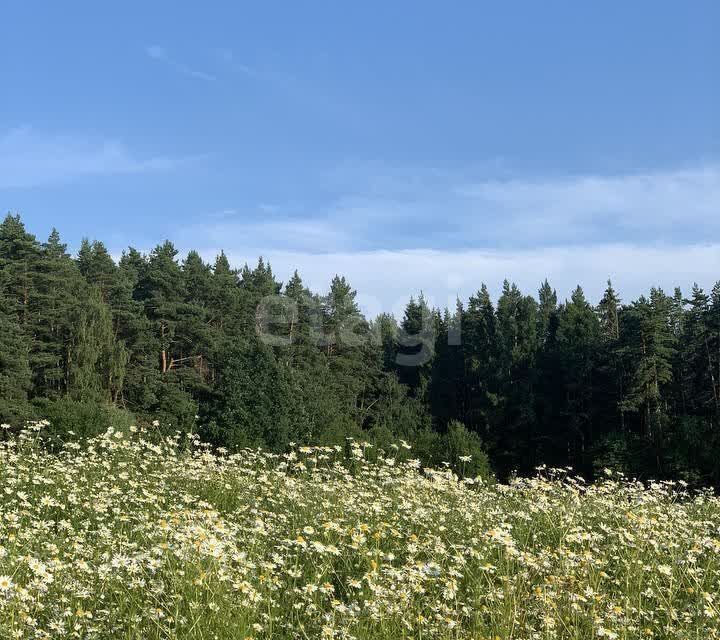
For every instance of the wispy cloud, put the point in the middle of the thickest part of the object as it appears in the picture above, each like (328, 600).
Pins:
(221, 213)
(385, 279)
(231, 230)
(29, 158)
(228, 58)
(654, 205)
(437, 209)
(156, 52)
(446, 234)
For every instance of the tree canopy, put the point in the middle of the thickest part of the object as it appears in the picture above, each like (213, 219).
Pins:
(249, 361)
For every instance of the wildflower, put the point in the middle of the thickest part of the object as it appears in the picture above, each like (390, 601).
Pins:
(431, 569)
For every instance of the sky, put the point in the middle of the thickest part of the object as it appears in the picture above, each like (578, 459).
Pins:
(406, 145)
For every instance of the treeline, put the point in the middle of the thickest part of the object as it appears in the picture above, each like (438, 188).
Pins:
(247, 361)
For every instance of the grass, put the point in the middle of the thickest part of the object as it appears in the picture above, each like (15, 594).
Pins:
(124, 537)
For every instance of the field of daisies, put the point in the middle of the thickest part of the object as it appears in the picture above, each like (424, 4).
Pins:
(130, 536)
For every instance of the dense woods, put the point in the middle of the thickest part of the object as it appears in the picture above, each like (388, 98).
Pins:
(246, 360)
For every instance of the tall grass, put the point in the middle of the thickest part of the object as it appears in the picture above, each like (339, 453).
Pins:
(124, 537)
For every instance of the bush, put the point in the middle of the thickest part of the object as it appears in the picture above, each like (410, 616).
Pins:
(76, 419)
(466, 453)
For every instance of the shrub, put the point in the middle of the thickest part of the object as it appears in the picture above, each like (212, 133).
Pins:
(76, 419)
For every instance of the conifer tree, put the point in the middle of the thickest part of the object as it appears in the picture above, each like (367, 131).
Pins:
(701, 353)
(58, 286)
(578, 336)
(416, 346)
(481, 353)
(515, 436)
(547, 308)
(634, 386)
(651, 349)
(15, 375)
(447, 373)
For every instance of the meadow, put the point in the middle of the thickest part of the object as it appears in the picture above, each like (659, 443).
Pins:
(137, 537)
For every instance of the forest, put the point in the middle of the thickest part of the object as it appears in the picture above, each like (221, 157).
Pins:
(244, 360)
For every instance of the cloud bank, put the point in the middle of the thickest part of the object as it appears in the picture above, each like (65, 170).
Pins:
(441, 211)
(663, 204)
(641, 230)
(385, 279)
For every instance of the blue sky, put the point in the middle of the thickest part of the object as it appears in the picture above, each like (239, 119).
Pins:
(408, 145)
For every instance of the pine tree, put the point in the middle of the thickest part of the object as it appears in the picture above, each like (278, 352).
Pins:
(58, 287)
(98, 268)
(20, 256)
(343, 325)
(161, 289)
(635, 386)
(257, 285)
(353, 361)
(170, 384)
(15, 373)
(304, 317)
(226, 301)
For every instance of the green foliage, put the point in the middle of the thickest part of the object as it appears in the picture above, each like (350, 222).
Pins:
(80, 419)
(466, 453)
(202, 346)
(141, 538)
(15, 374)
(252, 406)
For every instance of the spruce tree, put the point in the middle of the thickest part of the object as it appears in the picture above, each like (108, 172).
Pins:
(481, 355)
(650, 351)
(416, 346)
(578, 335)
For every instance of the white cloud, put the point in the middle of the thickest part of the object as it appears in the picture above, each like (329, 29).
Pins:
(641, 230)
(281, 234)
(673, 208)
(405, 209)
(221, 213)
(156, 52)
(385, 279)
(652, 202)
(227, 58)
(29, 159)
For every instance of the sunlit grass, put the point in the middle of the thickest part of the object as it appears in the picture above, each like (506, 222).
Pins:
(125, 537)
